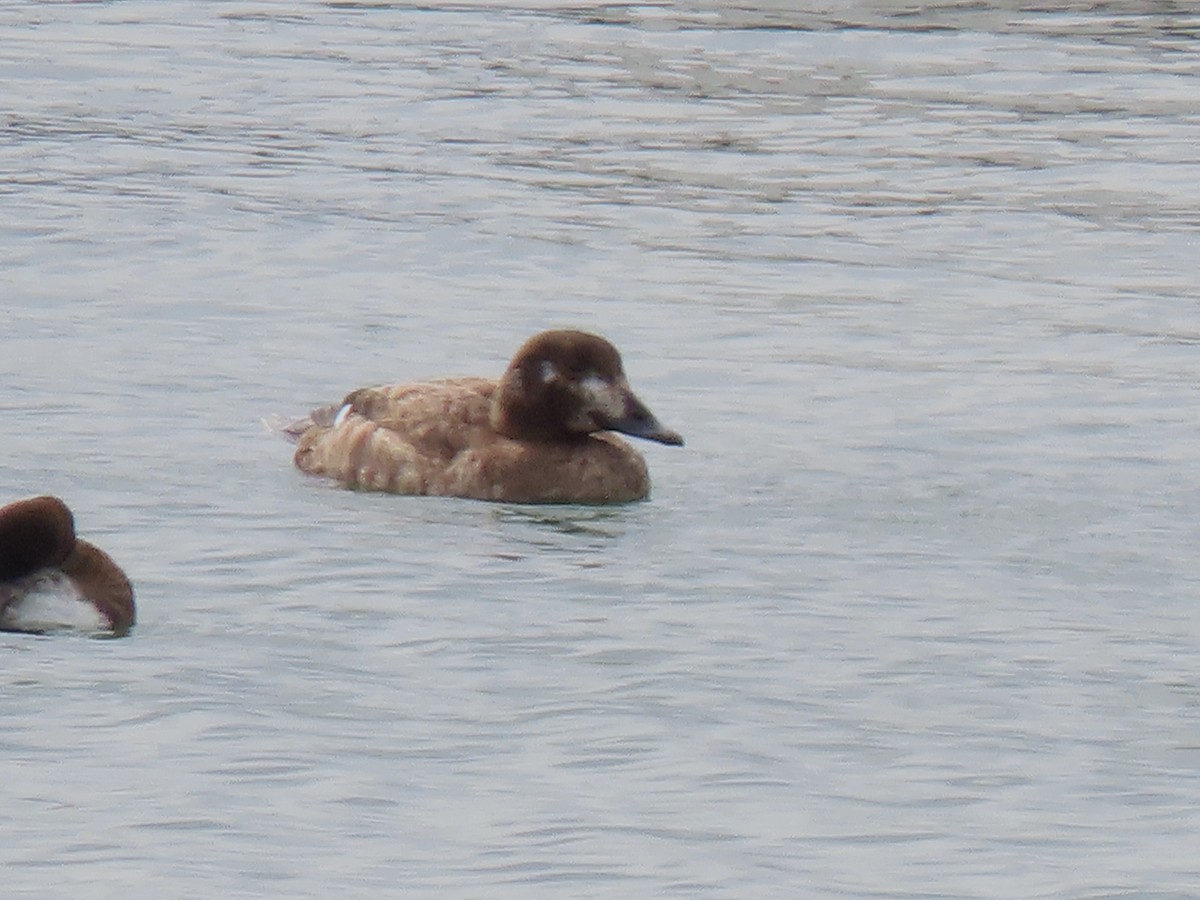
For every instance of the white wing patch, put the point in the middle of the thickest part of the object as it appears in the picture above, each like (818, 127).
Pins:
(342, 414)
(50, 602)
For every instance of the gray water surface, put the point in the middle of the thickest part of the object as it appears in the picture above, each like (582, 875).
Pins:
(913, 614)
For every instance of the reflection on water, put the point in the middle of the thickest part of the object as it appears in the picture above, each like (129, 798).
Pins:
(914, 606)
(568, 521)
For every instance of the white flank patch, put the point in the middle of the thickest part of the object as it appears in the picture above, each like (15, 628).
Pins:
(48, 601)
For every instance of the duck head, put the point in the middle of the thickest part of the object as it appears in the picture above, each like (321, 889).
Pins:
(34, 534)
(564, 385)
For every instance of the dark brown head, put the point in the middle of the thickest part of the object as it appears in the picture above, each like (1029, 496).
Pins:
(34, 534)
(563, 385)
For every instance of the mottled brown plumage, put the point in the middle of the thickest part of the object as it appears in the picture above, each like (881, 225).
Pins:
(537, 435)
(39, 550)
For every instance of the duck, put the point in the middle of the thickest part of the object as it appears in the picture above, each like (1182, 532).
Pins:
(51, 580)
(541, 433)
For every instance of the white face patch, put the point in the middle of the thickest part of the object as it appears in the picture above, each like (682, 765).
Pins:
(603, 396)
(548, 372)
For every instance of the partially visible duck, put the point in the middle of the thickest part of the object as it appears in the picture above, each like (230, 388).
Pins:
(51, 580)
(540, 434)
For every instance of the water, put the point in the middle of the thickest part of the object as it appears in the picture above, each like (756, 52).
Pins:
(913, 614)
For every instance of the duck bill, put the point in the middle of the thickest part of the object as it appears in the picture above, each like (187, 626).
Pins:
(612, 406)
(636, 420)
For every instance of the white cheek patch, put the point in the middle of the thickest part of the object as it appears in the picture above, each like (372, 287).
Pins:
(593, 385)
(342, 415)
(603, 396)
(548, 372)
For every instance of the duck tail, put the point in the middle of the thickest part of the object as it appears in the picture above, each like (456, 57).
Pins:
(323, 417)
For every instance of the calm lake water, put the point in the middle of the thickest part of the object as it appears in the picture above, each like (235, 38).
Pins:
(916, 611)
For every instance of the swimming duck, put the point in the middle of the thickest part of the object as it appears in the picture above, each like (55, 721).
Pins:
(51, 580)
(539, 434)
